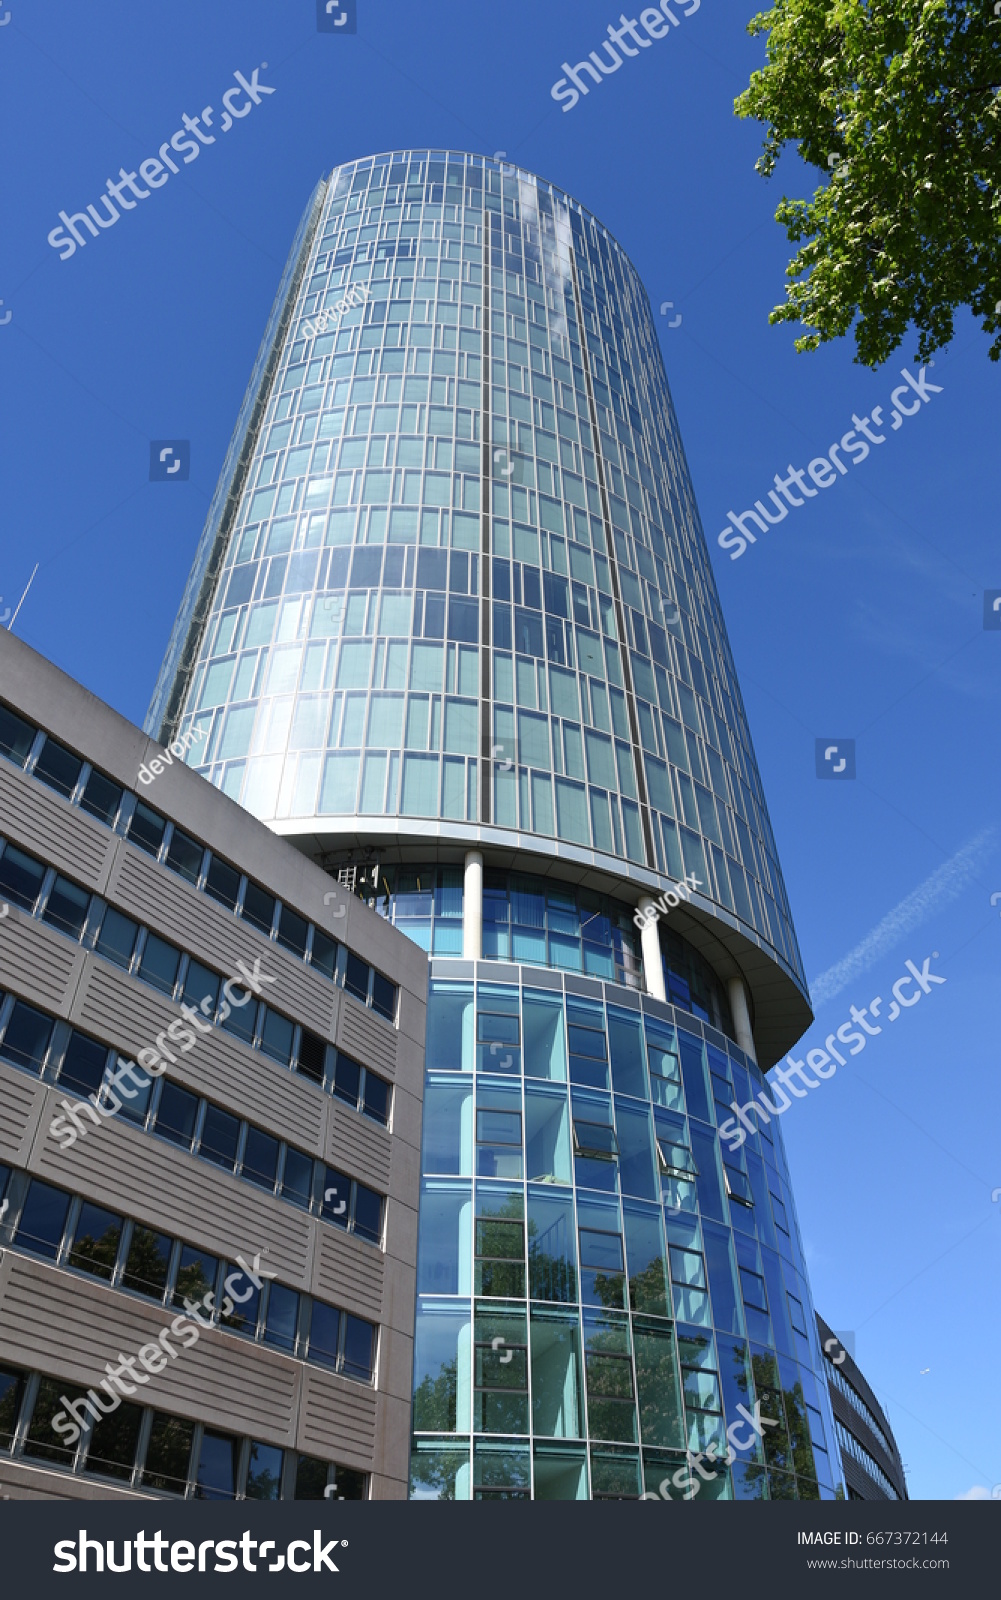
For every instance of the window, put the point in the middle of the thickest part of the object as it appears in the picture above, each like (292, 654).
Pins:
(21, 878)
(297, 1181)
(146, 829)
(201, 984)
(83, 1064)
(292, 931)
(368, 1213)
(67, 907)
(11, 1390)
(40, 1442)
(595, 1139)
(324, 1334)
(175, 1118)
(498, 1127)
(184, 856)
(737, 1186)
(356, 974)
(43, 1219)
(376, 1103)
(159, 964)
(282, 1317)
(359, 1348)
(117, 938)
(96, 1239)
(58, 768)
(222, 883)
(102, 799)
(276, 1037)
(148, 1262)
(383, 997)
(264, 1472)
(310, 1478)
(216, 1477)
(324, 953)
(347, 1079)
(259, 908)
(220, 1136)
(601, 1251)
(27, 1037)
(196, 1275)
(244, 1300)
(675, 1160)
(16, 737)
(168, 1454)
(753, 1286)
(260, 1159)
(111, 1448)
(500, 1257)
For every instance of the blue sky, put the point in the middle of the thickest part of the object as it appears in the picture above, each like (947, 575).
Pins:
(859, 616)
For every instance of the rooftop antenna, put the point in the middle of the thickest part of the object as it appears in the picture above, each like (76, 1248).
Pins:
(20, 603)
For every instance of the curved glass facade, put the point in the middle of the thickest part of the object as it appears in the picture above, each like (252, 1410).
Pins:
(464, 630)
(465, 578)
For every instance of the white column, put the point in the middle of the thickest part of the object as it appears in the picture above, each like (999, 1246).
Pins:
(741, 1016)
(653, 961)
(472, 907)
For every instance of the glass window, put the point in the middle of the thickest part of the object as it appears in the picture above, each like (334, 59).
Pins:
(324, 1333)
(184, 856)
(347, 1079)
(41, 1440)
(222, 883)
(83, 1064)
(359, 1348)
(117, 938)
(276, 1037)
(43, 1219)
(220, 1135)
(27, 1036)
(282, 1317)
(146, 829)
(216, 1477)
(240, 1020)
(260, 1159)
(196, 1275)
(292, 931)
(259, 907)
(310, 1478)
(201, 984)
(148, 1262)
(58, 767)
(11, 1394)
(383, 997)
(159, 963)
(376, 1103)
(324, 954)
(297, 1180)
(498, 1127)
(96, 1239)
(16, 736)
(175, 1117)
(368, 1213)
(66, 908)
(601, 1250)
(264, 1472)
(594, 1139)
(111, 1448)
(356, 974)
(101, 798)
(244, 1299)
(168, 1454)
(21, 878)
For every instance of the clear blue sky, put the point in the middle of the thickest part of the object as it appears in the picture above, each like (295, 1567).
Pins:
(859, 616)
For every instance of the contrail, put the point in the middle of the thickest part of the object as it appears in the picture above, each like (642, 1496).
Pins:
(945, 884)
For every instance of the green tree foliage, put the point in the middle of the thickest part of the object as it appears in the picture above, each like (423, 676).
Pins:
(897, 102)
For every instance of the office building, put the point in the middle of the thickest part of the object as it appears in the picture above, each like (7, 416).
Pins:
(452, 629)
(211, 1071)
(870, 1458)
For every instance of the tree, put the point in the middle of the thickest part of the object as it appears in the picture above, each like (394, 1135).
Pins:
(897, 102)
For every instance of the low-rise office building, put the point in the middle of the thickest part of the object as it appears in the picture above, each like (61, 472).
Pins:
(870, 1458)
(211, 1075)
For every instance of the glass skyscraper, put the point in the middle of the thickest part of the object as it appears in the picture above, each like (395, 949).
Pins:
(453, 630)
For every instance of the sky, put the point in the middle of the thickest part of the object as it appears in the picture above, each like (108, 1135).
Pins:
(860, 616)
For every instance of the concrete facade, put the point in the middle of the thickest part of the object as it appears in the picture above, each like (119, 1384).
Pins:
(66, 1325)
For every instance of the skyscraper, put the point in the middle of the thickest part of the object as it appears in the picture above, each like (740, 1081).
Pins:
(452, 622)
